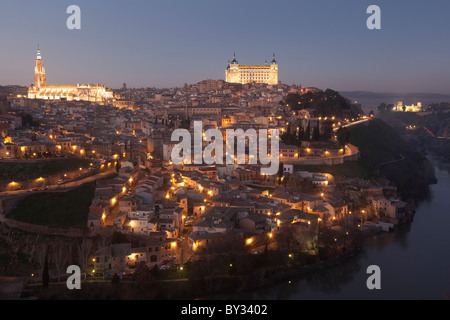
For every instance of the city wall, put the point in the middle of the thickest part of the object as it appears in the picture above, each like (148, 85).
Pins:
(330, 161)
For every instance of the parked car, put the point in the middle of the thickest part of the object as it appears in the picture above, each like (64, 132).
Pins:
(165, 261)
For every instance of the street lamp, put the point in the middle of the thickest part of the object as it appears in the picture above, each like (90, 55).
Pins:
(362, 211)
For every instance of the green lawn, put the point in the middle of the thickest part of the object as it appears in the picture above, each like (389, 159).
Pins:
(349, 169)
(21, 171)
(61, 209)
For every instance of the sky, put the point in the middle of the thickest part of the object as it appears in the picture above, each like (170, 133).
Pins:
(167, 43)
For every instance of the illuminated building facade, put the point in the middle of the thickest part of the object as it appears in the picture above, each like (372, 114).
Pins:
(400, 107)
(236, 73)
(39, 89)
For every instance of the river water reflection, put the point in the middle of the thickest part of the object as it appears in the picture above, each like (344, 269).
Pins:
(414, 262)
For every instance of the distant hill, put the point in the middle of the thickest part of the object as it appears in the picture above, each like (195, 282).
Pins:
(326, 103)
(388, 153)
(371, 100)
(437, 123)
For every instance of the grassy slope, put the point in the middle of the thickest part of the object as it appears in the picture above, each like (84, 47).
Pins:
(380, 143)
(436, 123)
(20, 171)
(62, 209)
(383, 152)
(349, 169)
(381, 146)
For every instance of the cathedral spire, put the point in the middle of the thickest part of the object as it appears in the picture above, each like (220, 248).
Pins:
(40, 79)
(38, 54)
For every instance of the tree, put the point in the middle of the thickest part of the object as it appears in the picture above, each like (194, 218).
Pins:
(316, 134)
(385, 107)
(327, 130)
(300, 136)
(84, 250)
(61, 253)
(121, 250)
(45, 275)
(343, 136)
(104, 245)
(119, 237)
(40, 254)
(296, 238)
(308, 132)
(115, 279)
(327, 103)
(280, 172)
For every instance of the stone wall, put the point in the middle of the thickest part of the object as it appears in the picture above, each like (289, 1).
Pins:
(330, 161)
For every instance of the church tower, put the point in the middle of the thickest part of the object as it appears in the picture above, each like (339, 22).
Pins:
(40, 79)
(274, 71)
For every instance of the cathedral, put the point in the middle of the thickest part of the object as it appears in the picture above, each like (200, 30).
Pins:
(39, 89)
(236, 73)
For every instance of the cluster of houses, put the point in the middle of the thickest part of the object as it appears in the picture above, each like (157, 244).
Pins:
(162, 202)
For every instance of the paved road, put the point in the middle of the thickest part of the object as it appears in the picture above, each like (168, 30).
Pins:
(352, 124)
(10, 288)
(65, 186)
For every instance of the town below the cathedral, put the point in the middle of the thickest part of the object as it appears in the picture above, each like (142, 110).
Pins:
(92, 167)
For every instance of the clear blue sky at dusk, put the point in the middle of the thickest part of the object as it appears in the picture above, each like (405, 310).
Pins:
(171, 42)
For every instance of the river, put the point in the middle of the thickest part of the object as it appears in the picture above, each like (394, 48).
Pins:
(414, 261)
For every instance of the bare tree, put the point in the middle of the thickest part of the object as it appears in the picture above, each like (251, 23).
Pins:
(104, 245)
(84, 251)
(40, 253)
(297, 238)
(60, 254)
(120, 251)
